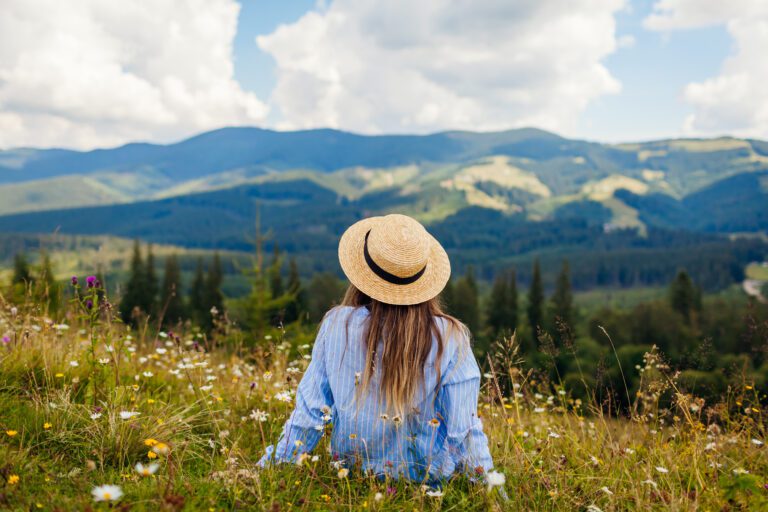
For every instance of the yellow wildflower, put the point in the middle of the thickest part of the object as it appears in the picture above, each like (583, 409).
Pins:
(11, 433)
(47, 425)
(13, 479)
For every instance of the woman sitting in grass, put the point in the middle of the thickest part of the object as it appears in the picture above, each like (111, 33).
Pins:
(391, 372)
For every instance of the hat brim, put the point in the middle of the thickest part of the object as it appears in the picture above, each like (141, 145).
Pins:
(352, 260)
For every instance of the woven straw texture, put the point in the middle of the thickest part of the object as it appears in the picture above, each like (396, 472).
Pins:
(401, 246)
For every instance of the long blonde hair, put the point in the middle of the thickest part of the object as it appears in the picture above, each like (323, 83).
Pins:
(407, 333)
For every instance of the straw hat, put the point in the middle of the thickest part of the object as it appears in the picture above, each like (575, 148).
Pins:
(394, 260)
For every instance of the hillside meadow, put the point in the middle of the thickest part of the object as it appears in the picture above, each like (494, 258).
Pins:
(177, 420)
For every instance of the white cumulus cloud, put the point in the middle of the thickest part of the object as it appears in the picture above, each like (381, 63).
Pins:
(735, 101)
(418, 66)
(91, 73)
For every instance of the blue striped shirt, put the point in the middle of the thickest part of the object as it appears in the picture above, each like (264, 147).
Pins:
(413, 447)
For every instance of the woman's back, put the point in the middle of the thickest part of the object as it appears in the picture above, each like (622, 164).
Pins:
(391, 373)
(439, 431)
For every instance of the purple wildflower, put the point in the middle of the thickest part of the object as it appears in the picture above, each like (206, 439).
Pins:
(89, 304)
(91, 280)
(74, 280)
(6, 340)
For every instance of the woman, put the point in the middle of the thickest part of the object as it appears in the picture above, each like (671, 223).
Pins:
(393, 374)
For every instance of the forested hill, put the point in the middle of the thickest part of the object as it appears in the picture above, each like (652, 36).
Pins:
(629, 214)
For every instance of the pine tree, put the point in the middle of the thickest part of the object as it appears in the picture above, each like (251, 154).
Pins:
(170, 293)
(497, 305)
(132, 297)
(536, 302)
(21, 272)
(447, 297)
(562, 300)
(512, 302)
(465, 301)
(275, 273)
(215, 297)
(197, 295)
(682, 295)
(150, 287)
(298, 305)
(502, 306)
(259, 306)
(48, 289)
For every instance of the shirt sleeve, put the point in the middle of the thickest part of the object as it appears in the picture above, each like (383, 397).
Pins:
(466, 441)
(304, 428)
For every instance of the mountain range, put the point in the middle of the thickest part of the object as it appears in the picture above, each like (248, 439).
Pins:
(555, 196)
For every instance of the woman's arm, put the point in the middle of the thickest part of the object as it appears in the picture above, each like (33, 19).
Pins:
(467, 443)
(303, 429)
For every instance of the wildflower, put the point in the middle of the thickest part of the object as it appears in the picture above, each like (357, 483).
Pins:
(283, 396)
(6, 340)
(150, 442)
(343, 472)
(95, 415)
(301, 459)
(126, 415)
(47, 425)
(740, 471)
(325, 498)
(434, 423)
(13, 479)
(161, 449)
(554, 435)
(607, 491)
(315, 458)
(594, 508)
(757, 442)
(11, 433)
(651, 483)
(495, 479)
(74, 364)
(151, 454)
(74, 280)
(14, 311)
(397, 420)
(59, 375)
(378, 497)
(107, 493)
(662, 469)
(434, 494)
(148, 374)
(90, 281)
(89, 304)
(148, 469)
(104, 360)
(259, 415)
(267, 376)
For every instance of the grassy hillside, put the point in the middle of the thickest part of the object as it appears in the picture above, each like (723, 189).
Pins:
(83, 402)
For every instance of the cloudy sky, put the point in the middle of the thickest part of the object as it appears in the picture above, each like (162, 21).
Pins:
(96, 73)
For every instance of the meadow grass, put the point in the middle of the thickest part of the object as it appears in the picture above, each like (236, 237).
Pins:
(85, 399)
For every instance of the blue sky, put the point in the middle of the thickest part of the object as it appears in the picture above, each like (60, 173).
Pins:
(96, 74)
(653, 69)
